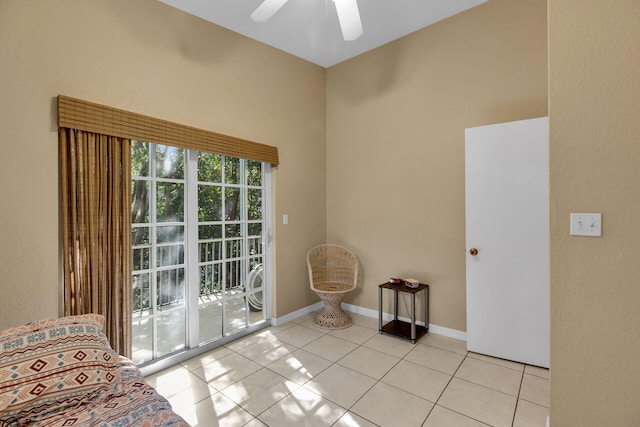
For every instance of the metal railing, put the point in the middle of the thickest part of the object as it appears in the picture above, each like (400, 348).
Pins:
(171, 290)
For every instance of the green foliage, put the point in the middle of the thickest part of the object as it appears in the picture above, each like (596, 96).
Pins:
(169, 202)
(209, 167)
(254, 173)
(254, 201)
(141, 295)
(169, 162)
(232, 170)
(229, 189)
(209, 203)
(139, 192)
(139, 158)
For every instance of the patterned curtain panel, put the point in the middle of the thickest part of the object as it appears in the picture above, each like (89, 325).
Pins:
(96, 226)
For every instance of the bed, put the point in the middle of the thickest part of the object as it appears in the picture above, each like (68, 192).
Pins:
(63, 372)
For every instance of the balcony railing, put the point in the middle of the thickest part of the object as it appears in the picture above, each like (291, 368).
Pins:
(171, 290)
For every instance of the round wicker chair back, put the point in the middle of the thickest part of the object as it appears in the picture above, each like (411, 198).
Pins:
(333, 272)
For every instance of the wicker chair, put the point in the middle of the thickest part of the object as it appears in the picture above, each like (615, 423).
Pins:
(333, 273)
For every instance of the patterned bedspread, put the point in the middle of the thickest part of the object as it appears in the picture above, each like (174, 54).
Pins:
(129, 401)
(63, 372)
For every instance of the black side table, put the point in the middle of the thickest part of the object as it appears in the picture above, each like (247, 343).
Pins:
(408, 330)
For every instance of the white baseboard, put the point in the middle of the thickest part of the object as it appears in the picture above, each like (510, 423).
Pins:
(356, 309)
(276, 321)
(447, 332)
(548, 421)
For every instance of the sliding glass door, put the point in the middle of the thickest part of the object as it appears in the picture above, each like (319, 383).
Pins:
(199, 247)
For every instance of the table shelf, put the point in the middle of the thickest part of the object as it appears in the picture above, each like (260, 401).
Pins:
(402, 329)
(408, 330)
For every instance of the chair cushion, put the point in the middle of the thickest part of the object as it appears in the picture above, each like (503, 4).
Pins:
(332, 287)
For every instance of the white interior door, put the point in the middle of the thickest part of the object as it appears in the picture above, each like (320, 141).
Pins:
(507, 222)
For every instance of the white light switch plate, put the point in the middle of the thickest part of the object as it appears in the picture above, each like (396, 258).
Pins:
(586, 224)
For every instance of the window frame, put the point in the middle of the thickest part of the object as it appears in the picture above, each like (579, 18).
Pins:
(191, 242)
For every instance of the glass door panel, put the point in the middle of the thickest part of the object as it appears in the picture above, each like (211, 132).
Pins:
(171, 332)
(210, 320)
(235, 314)
(198, 248)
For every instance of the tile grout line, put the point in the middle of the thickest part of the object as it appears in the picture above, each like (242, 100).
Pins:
(298, 386)
(374, 384)
(324, 333)
(445, 387)
(346, 367)
(419, 342)
(515, 409)
(489, 387)
(358, 345)
(238, 352)
(377, 381)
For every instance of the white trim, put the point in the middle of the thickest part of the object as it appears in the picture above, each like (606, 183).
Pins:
(356, 309)
(267, 261)
(447, 332)
(277, 321)
(191, 247)
(548, 421)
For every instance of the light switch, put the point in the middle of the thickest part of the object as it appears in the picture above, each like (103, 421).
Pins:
(285, 219)
(586, 224)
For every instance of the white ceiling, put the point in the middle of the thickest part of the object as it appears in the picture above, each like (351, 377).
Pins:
(309, 29)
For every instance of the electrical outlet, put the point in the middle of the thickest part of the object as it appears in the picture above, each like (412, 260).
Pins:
(586, 224)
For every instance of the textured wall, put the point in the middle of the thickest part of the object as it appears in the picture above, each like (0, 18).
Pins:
(395, 142)
(594, 107)
(146, 57)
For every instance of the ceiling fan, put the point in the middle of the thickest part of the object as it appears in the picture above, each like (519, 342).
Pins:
(348, 15)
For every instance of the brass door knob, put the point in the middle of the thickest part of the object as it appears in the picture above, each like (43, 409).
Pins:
(473, 251)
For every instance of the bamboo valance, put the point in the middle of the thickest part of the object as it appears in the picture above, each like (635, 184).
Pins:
(83, 115)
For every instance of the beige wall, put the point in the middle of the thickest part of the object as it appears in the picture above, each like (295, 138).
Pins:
(395, 142)
(594, 105)
(145, 57)
(394, 132)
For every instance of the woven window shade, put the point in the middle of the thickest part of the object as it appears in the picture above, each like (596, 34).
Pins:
(82, 115)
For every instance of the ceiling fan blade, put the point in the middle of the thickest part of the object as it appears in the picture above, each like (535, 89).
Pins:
(267, 9)
(349, 17)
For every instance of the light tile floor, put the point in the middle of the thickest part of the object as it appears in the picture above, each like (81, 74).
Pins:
(300, 375)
